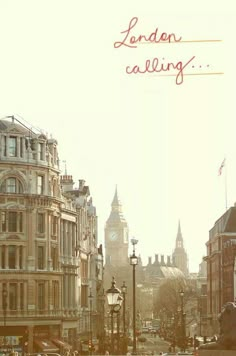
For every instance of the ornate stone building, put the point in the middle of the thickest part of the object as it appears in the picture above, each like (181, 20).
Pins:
(49, 260)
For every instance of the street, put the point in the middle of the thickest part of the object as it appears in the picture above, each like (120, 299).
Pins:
(154, 345)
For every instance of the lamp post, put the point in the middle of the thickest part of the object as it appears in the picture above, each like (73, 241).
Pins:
(4, 307)
(120, 299)
(114, 301)
(134, 262)
(200, 321)
(90, 321)
(124, 291)
(182, 319)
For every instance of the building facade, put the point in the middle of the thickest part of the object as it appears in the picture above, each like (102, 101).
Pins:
(48, 246)
(221, 253)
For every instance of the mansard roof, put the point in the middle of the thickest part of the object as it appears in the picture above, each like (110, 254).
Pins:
(225, 224)
(15, 127)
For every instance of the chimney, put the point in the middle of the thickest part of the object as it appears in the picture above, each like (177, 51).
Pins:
(156, 259)
(67, 183)
(149, 260)
(81, 184)
(162, 260)
(168, 261)
(173, 261)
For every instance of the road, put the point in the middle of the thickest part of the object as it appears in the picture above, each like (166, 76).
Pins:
(154, 345)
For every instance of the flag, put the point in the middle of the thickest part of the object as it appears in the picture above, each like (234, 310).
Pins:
(221, 167)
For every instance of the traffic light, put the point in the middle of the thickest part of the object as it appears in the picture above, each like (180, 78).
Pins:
(91, 346)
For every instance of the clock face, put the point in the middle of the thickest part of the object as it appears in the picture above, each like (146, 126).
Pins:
(116, 308)
(113, 235)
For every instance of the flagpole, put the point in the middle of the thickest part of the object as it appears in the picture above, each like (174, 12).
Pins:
(226, 193)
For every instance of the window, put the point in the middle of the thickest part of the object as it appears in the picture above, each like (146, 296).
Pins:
(21, 146)
(12, 146)
(84, 296)
(5, 146)
(84, 269)
(12, 257)
(55, 294)
(5, 297)
(41, 151)
(12, 296)
(54, 225)
(40, 257)
(3, 221)
(3, 257)
(21, 257)
(12, 221)
(41, 223)
(40, 185)
(41, 296)
(54, 258)
(21, 296)
(20, 221)
(11, 185)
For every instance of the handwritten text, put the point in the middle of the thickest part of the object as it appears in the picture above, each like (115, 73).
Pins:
(154, 37)
(154, 66)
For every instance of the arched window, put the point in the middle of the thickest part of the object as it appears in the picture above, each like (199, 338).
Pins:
(11, 185)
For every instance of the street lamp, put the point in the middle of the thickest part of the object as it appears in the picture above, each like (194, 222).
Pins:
(90, 321)
(124, 291)
(134, 262)
(182, 319)
(114, 301)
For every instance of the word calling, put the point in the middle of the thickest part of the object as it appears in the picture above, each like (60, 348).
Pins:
(153, 65)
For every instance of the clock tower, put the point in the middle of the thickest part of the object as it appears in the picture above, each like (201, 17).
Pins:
(116, 236)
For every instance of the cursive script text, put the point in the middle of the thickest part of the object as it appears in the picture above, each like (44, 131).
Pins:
(154, 37)
(154, 66)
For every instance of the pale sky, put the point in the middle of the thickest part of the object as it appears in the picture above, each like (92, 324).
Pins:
(161, 143)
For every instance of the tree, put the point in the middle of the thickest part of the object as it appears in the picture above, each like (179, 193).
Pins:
(167, 297)
(168, 305)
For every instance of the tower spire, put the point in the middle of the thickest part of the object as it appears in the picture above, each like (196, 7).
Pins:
(179, 233)
(179, 238)
(179, 254)
(115, 201)
(116, 209)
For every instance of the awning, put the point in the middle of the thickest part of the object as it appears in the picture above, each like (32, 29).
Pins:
(61, 344)
(45, 345)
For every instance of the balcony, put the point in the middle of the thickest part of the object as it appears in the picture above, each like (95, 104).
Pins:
(69, 261)
(53, 314)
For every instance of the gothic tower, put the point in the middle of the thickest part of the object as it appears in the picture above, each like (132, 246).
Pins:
(116, 236)
(179, 255)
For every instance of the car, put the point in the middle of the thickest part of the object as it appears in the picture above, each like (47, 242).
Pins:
(152, 331)
(145, 329)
